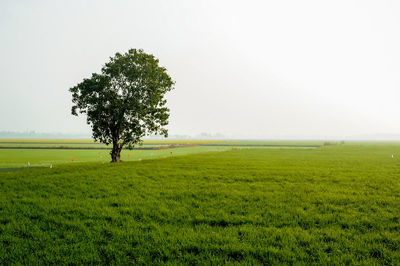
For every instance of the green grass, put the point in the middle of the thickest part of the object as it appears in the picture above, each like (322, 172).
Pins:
(90, 141)
(14, 159)
(333, 205)
(148, 143)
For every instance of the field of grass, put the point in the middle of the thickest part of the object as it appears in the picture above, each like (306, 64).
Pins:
(147, 143)
(17, 153)
(336, 204)
(86, 142)
(14, 159)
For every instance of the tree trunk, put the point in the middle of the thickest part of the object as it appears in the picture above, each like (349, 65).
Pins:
(115, 153)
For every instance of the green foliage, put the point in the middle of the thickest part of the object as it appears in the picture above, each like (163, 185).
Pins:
(126, 101)
(333, 205)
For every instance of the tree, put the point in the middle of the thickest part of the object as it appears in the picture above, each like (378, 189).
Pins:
(126, 101)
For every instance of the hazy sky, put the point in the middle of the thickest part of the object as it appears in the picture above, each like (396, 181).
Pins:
(257, 69)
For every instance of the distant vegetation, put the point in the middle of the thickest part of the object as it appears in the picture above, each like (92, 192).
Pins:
(328, 143)
(42, 135)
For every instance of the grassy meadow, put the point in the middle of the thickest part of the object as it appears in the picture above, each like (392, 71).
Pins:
(336, 204)
(15, 159)
(17, 153)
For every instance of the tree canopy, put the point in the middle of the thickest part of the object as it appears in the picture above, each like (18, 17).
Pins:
(126, 101)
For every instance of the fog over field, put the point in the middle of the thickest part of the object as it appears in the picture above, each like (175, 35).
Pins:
(243, 69)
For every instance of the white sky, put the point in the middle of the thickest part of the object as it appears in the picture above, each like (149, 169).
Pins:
(253, 69)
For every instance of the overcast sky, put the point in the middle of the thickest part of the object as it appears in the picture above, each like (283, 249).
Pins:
(250, 69)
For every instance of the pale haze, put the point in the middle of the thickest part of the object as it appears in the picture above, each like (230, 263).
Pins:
(244, 69)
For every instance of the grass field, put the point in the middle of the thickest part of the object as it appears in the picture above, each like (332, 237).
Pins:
(91, 142)
(88, 142)
(59, 151)
(15, 159)
(336, 204)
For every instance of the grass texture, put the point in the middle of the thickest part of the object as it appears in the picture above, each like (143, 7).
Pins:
(15, 159)
(337, 204)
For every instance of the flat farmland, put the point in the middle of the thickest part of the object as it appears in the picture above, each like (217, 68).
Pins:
(336, 204)
(17, 159)
(17, 153)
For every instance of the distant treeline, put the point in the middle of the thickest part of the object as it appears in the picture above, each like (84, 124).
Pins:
(34, 134)
(58, 135)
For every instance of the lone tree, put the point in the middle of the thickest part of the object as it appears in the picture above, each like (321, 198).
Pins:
(126, 101)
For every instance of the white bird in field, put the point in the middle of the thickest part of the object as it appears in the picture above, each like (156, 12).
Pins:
(29, 164)
(392, 155)
(51, 166)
